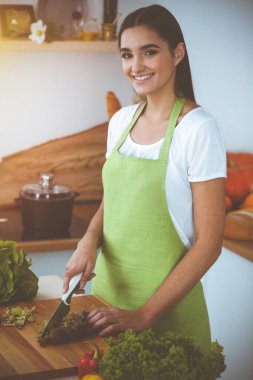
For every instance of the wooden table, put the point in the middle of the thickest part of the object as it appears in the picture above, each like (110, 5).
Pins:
(82, 214)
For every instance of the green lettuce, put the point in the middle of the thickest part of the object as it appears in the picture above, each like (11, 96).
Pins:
(145, 356)
(17, 281)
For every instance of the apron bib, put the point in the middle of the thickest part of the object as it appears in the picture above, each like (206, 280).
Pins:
(140, 243)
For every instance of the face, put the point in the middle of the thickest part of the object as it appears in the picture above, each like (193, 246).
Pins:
(147, 61)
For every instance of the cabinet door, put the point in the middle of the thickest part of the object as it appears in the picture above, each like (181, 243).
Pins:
(228, 291)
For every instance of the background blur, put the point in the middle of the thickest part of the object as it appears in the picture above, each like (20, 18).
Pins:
(45, 95)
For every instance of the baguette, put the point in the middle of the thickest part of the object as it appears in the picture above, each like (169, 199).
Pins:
(112, 104)
(239, 225)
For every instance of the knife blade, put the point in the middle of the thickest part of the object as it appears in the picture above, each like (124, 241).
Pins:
(64, 306)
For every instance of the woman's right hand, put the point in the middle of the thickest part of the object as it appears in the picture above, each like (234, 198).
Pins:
(82, 260)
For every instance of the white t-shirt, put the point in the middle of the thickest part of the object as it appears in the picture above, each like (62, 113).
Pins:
(197, 153)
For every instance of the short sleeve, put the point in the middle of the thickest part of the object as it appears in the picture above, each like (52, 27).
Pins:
(206, 155)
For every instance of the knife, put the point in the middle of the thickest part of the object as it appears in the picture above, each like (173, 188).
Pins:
(64, 307)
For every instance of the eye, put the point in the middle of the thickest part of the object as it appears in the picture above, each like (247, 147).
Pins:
(150, 52)
(126, 55)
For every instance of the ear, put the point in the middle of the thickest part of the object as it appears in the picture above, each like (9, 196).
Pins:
(179, 53)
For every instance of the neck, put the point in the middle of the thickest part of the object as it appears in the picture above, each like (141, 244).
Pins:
(159, 108)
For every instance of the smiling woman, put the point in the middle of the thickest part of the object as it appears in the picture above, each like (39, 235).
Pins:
(160, 224)
(148, 67)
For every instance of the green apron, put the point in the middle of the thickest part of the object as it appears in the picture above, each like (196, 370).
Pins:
(140, 243)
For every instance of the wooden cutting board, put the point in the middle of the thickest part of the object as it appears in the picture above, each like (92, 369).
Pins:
(21, 356)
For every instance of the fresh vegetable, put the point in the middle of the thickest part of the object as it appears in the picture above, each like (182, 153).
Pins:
(239, 181)
(72, 327)
(247, 202)
(236, 184)
(144, 356)
(17, 316)
(240, 158)
(89, 362)
(17, 281)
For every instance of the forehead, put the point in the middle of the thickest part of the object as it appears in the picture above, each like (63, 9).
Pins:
(138, 36)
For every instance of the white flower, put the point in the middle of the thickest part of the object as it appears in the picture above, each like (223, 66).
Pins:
(38, 30)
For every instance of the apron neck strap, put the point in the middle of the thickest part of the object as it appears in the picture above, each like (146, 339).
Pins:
(130, 125)
(175, 112)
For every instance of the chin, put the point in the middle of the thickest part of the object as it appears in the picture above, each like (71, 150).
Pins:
(141, 93)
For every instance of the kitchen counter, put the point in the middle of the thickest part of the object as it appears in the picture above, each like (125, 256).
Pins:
(21, 355)
(242, 248)
(11, 229)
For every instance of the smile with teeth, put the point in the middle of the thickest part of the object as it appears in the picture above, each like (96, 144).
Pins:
(142, 77)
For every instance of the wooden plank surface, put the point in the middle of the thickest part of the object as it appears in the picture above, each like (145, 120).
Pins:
(76, 161)
(21, 356)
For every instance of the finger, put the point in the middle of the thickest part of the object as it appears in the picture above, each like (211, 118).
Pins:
(86, 274)
(112, 329)
(91, 276)
(66, 280)
(97, 317)
(101, 320)
(96, 311)
(79, 291)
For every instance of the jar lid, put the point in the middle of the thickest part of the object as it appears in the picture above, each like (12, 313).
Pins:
(45, 189)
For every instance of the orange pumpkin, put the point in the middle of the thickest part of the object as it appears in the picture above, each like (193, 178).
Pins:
(237, 186)
(239, 159)
(239, 182)
(248, 202)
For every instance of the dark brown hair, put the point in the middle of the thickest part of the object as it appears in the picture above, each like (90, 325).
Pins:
(166, 26)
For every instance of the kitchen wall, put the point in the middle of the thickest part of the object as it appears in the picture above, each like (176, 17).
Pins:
(48, 95)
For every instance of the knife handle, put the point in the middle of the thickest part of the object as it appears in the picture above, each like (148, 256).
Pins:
(73, 285)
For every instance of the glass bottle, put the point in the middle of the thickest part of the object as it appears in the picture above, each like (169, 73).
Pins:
(109, 25)
(110, 11)
(90, 30)
(77, 24)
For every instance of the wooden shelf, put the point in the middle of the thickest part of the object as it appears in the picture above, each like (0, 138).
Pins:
(58, 46)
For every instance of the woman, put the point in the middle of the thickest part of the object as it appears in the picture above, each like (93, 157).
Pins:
(161, 220)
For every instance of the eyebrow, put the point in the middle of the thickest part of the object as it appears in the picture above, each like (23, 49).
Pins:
(144, 47)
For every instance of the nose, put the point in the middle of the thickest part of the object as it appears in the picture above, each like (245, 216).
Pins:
(137, 64)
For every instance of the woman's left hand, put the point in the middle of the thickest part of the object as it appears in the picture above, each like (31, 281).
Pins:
(112, 320)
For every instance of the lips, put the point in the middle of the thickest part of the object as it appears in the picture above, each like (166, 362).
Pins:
(142, 78)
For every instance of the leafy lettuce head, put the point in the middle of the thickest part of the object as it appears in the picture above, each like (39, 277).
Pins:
(17, 281)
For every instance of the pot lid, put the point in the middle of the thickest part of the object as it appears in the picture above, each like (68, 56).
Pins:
(45, 189)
